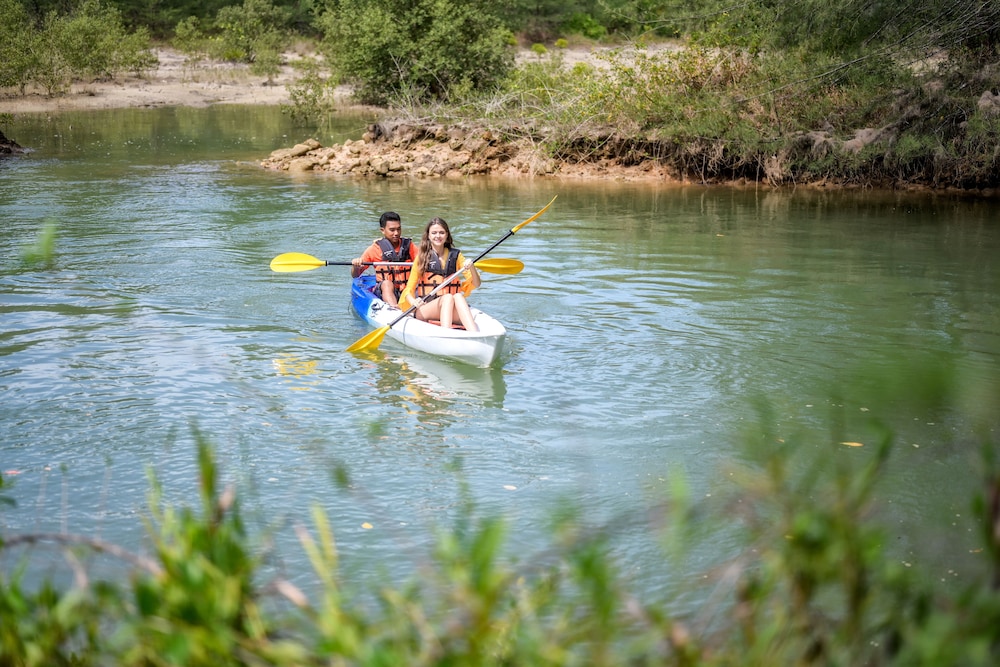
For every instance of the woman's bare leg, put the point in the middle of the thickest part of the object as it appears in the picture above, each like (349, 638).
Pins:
(429, 311)
(465, 313)
(447, 310)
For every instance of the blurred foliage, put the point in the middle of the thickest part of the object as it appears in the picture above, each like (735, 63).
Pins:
(811, 578)
(42, 252)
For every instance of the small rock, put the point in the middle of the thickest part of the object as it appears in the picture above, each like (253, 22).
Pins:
(300, 165)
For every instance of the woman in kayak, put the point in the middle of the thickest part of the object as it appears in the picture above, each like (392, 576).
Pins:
(437, 260)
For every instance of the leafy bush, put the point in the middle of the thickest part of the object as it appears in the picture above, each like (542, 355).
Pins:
(253, 32)
(17, 45)
(93, 42)
(88, 42)
(425, 49)
(190, 38)
(311, 97)
(51, 68)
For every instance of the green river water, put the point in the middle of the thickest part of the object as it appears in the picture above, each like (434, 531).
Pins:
(647, 324)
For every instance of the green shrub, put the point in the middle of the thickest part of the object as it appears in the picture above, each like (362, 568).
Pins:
(424, 49)
(254, 32)
(311, 95)
(190, 38)
(93, 41)
(51, 68)
(88, 42)
(586, 25)
(18, 45)
(134, 54)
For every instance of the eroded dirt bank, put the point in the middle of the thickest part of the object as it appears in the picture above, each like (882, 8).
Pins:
(450, 152)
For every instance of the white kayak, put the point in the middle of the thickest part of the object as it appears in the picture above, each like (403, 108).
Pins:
(480, 348)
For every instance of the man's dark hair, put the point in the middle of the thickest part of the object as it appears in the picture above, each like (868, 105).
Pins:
(387, 216)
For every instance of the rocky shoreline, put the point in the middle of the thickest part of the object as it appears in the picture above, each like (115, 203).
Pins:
(436, 151)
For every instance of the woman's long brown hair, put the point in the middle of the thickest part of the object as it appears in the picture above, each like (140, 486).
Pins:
(424, 251)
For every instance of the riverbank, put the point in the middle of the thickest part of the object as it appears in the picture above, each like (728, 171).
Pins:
(395, 148)
(384, 151)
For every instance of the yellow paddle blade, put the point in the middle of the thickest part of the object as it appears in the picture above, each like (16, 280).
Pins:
(500, 265)
(515, 230)
(290, 262)
(369, 341)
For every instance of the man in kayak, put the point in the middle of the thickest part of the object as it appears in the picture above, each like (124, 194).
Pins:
(392, 247)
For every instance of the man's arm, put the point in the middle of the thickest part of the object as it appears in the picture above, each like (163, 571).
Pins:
(359, 263)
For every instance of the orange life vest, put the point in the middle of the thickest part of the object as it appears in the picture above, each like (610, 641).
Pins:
(397, 274)
(436, 273)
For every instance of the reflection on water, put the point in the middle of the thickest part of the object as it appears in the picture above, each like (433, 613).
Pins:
(173, 134)
(417, 383)
(298, 371)
(427, 385)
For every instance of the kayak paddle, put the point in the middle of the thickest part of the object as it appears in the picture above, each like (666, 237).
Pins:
(291, 262)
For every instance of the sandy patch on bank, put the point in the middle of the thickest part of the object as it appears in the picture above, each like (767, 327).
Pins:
(175, 82)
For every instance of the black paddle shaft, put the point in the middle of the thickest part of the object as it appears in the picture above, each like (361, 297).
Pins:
(490, 249)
